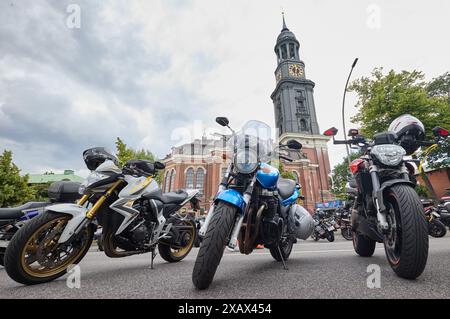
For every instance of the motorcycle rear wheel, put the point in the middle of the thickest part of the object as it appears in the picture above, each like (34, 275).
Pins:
(213, 245)
(364, 246)
(406, 245)
(174, 254)
(34, 255)
(285, 248)
(347, 233)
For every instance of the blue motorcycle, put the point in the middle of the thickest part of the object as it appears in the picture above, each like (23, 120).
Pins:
(253, 206)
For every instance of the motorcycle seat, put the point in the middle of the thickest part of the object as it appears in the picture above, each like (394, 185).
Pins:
(167, 198)
(17, 212)
(286, 187)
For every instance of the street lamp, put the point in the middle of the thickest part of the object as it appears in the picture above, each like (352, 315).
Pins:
(343, 110)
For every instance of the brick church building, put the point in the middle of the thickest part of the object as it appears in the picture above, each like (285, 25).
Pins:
(201, 164)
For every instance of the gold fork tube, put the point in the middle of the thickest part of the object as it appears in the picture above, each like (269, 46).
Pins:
(91, 213)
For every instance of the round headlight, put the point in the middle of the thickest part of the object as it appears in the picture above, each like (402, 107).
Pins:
(246, 161)
(388, 154)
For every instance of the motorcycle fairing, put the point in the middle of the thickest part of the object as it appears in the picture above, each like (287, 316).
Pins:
(78, 215)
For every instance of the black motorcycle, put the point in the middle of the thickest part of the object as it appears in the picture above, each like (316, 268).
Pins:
(324, 225)
(436, 228)
(12, 219)
(387, 209)
(343, 221)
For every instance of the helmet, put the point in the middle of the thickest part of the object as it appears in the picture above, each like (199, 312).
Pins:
(408, 129)
(300, 221)
(96, 156)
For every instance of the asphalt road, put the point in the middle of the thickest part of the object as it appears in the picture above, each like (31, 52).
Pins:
(316, 270)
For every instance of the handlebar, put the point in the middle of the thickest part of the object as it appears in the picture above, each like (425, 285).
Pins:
(286, 158)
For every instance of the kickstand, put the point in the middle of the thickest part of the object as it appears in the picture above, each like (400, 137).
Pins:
(282, 258)
(153, 257)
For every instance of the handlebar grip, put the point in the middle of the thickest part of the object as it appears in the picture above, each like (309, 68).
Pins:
(286, 158)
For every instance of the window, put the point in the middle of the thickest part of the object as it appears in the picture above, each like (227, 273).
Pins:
(292, 50)
(284, 51)
(189, 180)
(303, 125)
(167, 181)
(172, 180)
(200, 180)
(301, 107)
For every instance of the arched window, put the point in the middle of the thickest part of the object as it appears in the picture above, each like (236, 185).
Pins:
(200, 180)
(189, 180)
(167, 181)
(172, 180)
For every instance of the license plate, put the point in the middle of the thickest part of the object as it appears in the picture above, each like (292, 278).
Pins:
(331, 228)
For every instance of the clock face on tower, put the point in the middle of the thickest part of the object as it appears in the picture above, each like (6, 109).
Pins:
(296, 70)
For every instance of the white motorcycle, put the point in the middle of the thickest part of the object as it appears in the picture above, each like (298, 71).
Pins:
(136, 216)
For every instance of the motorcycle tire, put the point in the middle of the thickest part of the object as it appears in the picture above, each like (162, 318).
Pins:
(15, 261)
(171, 255)
(364, 246)
(330, 236)
(407, 247)
(213, 245)
(437, 229)
(347, 233)
(285, 248)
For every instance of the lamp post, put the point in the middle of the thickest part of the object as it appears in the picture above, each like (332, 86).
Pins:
(343, 110)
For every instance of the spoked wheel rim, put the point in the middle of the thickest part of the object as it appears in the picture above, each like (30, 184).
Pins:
(393, 239)
(42, 256)
(187, 240)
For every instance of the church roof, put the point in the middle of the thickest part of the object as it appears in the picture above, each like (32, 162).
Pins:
(285, 34)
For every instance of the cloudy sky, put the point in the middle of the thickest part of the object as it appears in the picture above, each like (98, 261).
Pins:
(157, 73)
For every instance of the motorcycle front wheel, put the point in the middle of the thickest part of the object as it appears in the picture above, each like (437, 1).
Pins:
(34, 255)
(330, 236)
(171, 253)
(347, 233)
(436, 228)
(406, 244)
(213, 245)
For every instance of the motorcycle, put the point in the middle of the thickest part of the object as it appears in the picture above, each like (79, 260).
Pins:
(435, 227)
(343, 221)
(253, 205)
(324, 226)
(387, 209)
(12, 219)
(136, 217)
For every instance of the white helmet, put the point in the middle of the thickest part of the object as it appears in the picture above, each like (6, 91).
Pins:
(300, 222)
(408, 129)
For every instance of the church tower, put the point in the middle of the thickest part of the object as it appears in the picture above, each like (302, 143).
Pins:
(296, 118)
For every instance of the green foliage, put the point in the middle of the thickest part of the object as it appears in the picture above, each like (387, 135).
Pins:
(340, 177)
(125, 153)
(384, 97)
(14, 189)
(283, 172)
(440, 86)
(422, 191)
(40, 192)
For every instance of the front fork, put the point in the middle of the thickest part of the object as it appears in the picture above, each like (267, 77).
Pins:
(381, 215)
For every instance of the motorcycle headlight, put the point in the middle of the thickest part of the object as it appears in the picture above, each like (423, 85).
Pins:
(246, 161)
(390, 155)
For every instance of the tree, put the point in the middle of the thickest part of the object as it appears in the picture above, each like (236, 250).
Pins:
(125, 153)
(340, 177)
(382, 98)
(14, 189)
(283, 172)
(440, 86)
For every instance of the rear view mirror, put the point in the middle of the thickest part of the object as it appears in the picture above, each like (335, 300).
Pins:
(353, 132)
(294, 145)
(331, 132)
(159, 165)
(223, 121)
(440, 132)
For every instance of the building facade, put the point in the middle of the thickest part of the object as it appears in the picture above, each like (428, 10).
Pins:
(202, 163)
